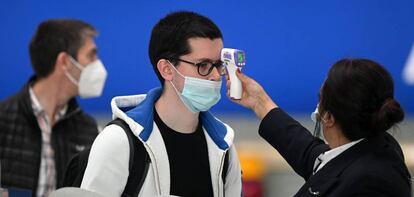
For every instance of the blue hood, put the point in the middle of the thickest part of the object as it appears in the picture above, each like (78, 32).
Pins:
(143, 114)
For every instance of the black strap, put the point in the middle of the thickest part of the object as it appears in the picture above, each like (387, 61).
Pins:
(225, 167)
(138, 161)
(224, 172)
(75, 169)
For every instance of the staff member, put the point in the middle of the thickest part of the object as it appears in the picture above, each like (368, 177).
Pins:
(356, 108)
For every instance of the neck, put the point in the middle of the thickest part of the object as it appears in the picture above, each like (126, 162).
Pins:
(174, 113)
(50, 95)
(336, 139)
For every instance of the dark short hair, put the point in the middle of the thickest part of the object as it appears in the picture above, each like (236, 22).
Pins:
(359, 93)
(53, 37)
(169, 37)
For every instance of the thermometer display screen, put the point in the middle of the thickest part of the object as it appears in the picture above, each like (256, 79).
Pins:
(240, 57)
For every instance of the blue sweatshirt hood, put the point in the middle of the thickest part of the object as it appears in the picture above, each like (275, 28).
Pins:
(143, 113)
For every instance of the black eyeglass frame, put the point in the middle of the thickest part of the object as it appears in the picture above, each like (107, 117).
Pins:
(219, 65)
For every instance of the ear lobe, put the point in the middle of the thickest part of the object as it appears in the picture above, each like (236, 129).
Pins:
(164, 67)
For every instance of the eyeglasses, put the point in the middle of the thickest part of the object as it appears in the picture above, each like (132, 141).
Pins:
(204, 68)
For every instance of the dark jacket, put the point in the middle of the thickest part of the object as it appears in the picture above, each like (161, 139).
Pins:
(373, 167)
(20, 140)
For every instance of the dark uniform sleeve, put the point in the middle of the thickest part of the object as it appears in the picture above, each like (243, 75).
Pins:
(294, 142)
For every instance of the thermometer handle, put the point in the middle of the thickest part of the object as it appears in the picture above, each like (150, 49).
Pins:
(236, 86)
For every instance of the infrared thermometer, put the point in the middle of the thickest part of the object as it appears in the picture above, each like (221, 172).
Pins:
(234, 59)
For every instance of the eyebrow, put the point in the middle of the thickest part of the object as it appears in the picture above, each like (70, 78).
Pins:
(207, 60)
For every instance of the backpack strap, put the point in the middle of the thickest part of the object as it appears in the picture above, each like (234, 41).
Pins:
(138, 161)
(76, 169)
(225, 167)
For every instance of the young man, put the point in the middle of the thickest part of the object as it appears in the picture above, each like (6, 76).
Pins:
(42, 126)
(187, 145)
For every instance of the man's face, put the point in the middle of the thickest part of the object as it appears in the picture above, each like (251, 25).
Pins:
(87, 53)
(202, 49)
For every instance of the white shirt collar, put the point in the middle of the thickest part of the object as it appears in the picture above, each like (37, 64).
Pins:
(329, 155)
(38, 109)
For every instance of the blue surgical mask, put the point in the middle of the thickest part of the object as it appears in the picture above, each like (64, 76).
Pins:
(316, 119)
(198, 94)
(315, 114)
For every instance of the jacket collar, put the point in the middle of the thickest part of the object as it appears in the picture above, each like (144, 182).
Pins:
(142, 112)
(338, 164)
(26, 103)
(330, 173)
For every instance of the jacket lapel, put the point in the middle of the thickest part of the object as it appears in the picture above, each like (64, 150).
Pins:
(320, 183)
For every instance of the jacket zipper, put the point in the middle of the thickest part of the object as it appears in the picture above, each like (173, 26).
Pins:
(57, 145)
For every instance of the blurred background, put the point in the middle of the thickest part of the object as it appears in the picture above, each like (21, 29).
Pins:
(289, 45)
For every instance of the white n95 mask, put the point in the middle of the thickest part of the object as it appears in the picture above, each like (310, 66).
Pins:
(198, 94)
(92, 78)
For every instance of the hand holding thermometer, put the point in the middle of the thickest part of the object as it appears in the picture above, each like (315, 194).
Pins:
(234, 59)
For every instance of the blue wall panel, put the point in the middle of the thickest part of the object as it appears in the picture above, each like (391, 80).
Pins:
(289, 45)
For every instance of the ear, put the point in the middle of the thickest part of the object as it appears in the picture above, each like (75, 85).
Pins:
(328, 119)
(62, 62)
(164, 67)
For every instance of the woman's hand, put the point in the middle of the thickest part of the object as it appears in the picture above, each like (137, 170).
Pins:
(253, 96)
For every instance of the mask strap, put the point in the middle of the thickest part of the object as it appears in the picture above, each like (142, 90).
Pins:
(319, 121)
(78, 66)
(175, 69)
(71, 78)
(317, 130)
(177, 92)
(76, 63)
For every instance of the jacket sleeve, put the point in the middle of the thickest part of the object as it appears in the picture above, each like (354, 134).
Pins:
(294, 142)
(233, 185)
(107, 170)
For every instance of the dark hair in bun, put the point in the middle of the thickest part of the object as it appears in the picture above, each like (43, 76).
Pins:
(359, 93)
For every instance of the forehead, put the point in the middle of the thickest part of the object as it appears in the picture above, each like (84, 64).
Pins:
(205, 48)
